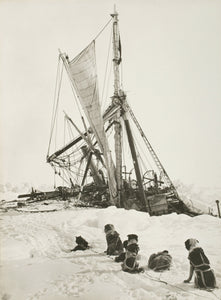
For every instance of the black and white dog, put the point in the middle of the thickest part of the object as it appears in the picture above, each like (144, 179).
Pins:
(114, 243)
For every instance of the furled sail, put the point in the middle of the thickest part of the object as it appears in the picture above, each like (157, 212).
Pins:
(82, 70)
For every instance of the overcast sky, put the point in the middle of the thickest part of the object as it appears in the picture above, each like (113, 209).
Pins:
(172, 75)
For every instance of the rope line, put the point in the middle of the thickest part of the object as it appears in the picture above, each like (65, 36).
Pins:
(156, 279)
(55, 122)
(106, 70)
(54, 103)
(167, 283)
(102, 29)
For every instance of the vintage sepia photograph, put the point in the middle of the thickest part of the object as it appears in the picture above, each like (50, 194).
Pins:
(110, 142)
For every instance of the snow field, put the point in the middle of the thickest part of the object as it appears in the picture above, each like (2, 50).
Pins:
(36, 264)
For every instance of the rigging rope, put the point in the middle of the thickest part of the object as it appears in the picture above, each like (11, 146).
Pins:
(108, 83)
(65, 125)
(53, 110)
(138, 146)
(65, 122)
(102, 29)
(173, 285)
(56, 99)
(106, 69)
(54, 178)
(69, 128)
(56, 108)
(121, 82)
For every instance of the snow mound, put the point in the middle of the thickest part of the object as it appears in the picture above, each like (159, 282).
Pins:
(35, 253)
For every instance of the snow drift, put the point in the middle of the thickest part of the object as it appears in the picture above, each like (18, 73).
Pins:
(36, 264)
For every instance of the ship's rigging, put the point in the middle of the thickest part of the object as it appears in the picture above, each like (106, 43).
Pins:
(93, 156)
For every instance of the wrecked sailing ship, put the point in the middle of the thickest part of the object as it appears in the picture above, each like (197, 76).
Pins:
(92, 159)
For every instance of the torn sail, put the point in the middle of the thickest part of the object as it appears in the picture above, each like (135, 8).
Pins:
(83, 73)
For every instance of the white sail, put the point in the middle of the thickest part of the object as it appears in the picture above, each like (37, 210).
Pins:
(83, 74)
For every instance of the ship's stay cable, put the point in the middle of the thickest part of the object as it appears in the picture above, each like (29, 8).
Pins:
(121, 78)
(53, 110)
(64, 136)
(108, 84)
(56, 100)
(139, 147)
(54, 178)
(55, 93)
(139, 157)
(106, 70)
(152, 152)
(102, 29)
(56, 109)
(71, 135)
(123, 149)
(65, 126)
(56, 131)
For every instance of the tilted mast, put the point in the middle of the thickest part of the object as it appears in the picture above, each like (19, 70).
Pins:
(116, 100)
(119, 99)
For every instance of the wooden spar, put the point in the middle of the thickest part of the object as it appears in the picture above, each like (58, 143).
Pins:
(87, 140)
(116, 58)
(72, 143)
(117, 126)
(47, 195)
(72, 184)
(65, 148)
(87, 167)
(93, 168)
(217, 203)
(118, 153)
(94, 171)
(136, 166)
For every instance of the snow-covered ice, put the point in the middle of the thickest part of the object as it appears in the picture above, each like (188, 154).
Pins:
(35, 262)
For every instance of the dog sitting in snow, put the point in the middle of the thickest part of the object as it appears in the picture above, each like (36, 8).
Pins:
(114, 243)
(82, 244)
(130, 263)
(200, 265)
(131, 239)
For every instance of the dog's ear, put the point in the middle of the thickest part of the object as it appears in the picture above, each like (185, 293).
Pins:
(79, 239)
(187, 244)
(125, 244)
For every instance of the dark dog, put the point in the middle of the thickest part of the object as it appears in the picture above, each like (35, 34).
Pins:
(82, 244)
(130, 263)
(160, 261)
(131, 239)
(200, 265)
(114, 243)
